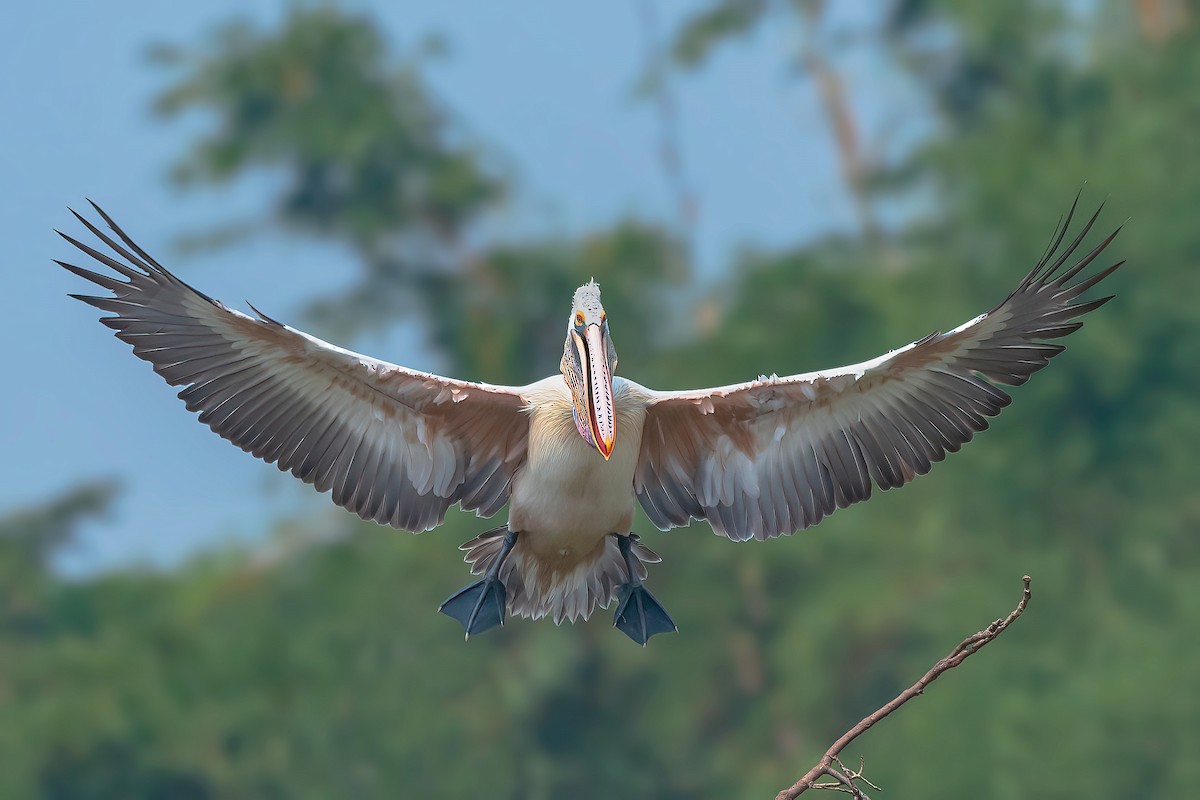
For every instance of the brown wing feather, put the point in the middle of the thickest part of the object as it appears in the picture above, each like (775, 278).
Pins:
(392, 444)
(773, 456)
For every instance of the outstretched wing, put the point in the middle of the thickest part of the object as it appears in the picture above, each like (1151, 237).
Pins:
(394, 445)
(773, 456)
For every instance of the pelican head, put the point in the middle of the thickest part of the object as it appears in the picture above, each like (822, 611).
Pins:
(588, 362)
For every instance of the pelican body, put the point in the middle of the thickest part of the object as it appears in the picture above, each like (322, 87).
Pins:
(571, 454)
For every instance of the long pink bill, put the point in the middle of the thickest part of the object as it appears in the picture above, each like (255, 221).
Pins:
(602, 412)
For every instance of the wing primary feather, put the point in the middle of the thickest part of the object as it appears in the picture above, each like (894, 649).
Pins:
(1071, 272)
(1073, 246)
(106, 260)
(112, 284)
(1056, 240)
(126, 239)
(1088, 283)
(116, 248)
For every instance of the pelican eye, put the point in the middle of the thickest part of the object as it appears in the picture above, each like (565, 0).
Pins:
(579, 319)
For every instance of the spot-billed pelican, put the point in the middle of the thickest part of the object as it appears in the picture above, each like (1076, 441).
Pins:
(570, 453)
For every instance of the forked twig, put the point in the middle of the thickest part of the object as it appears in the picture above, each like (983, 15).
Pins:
(846, 780)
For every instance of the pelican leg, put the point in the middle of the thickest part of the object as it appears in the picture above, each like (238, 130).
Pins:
(480, 606)
(639, 615)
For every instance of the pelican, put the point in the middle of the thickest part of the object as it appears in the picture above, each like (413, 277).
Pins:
(571, 453)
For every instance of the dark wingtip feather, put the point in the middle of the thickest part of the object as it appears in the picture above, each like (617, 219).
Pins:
(124, 236)
(108, 261)
(1055, 237)
(1091, 305)
(112, 284)
(103, 214)
(144, 263)
(1072, 247)
(1084, 285)
(1061, 278)
(1055, 240)
(91, 300)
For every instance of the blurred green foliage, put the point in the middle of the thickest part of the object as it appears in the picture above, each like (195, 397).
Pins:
(367, 155)
(315, 666)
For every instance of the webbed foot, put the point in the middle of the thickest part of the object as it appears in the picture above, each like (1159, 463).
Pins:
(639, 614)
(480, 606)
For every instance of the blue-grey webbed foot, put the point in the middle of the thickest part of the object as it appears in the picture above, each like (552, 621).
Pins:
(639, 615)
(480, 606)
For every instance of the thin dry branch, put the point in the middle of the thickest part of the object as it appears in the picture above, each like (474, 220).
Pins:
(846, 780)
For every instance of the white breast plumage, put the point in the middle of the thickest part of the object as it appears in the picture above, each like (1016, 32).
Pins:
(567, 496)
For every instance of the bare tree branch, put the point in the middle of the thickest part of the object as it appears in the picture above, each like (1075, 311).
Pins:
(845, 780)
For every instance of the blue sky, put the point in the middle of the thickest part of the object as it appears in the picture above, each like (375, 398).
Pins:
(547, 85)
